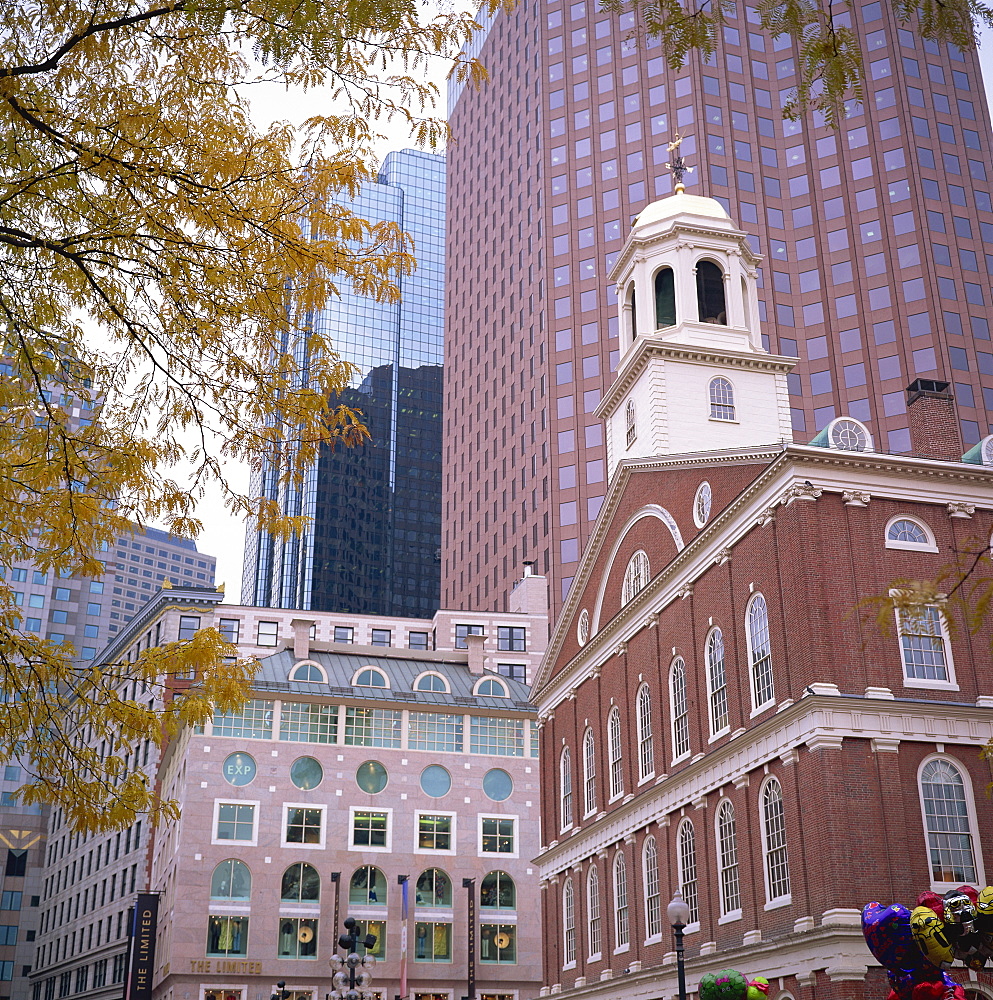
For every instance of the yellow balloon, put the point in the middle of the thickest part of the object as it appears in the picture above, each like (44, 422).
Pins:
(929, 933)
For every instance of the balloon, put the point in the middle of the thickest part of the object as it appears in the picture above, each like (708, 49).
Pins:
(726, 984)
(887, 933)
(933, 901)
(931, 936)
(758, 988)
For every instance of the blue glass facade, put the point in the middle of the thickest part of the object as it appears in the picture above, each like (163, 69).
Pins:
(373, 542)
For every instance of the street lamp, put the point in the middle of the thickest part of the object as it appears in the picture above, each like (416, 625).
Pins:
(280, 992)
(348, 983)
(678, 911)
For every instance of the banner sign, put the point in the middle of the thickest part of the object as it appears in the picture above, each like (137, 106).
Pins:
(404, 902)
(141, 947)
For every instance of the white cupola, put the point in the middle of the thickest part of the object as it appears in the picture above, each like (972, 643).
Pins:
(692, 375)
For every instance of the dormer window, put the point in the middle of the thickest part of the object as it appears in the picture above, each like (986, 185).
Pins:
(490, 688)
(721, 399)
(371, 677)
(630, 422)
(431, 682)
(665, 298)
(308, 671)
(847, 434)
(710, 293)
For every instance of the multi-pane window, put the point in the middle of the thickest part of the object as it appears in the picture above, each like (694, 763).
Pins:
(461, 631)
(630, 423)
(431, 682)
(922, 643)
(301, 722)
(686, 857)
(498, 943)
(434, 832)
(231, 879)
(188, 625)
(367, 886)
(908, 532)
(369, 829)
(593, 913)
(252, 722)
(498, 892)
(511, 638)
(653, 898)
(721, 399)
(515, 671)
(303, 826)
(381, 637)
(777, 870)
(434, 888)
(680, 709)
(235, 821)
(372, 727)
(432, 942)
(589, 773)
(297, 937)
(569, 923)
(759, 651)
(268, 634)
(565, 788)
(417, 640)
(636, 576)
(622, 929)
(227, 935)
(497, 836)
(946, 821)
(614, 750)
(301, 883)
(434, 731)
(727, 858)
(646, 749)
(499, 737)
(230, 629)
(343, 633)
(717, 682)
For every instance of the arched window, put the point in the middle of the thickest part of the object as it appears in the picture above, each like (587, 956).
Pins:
(491, 688)
(951, 851)
(630, 423)
(717, 683)
(622, 929)
(371, 677)
(646, 749)
(759, 651)
(633, 303)
(431, 682)
(686, 857)
(777, 868)
(307, 671)
(565, 788)
(665, 298)
(569, 923)
(680, 709)
(231, 880)
(367, 887)
(721, 399)
(593, 913)
(434, 888)
(301, 884)
(653, 899)
(710, 293)
(909, 533)
(727, 858)
(498, 892)
(589, 773)
(636, 576)
(614, 750)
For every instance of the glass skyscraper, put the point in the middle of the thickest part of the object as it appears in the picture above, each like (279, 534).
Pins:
(372, 545)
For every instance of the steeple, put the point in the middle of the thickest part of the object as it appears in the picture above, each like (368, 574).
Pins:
(693, 374)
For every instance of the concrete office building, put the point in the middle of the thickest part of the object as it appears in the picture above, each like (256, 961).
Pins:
(374, 536)
(877, 241)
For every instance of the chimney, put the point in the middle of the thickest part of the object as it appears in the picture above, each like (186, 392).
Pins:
(301, 637)
(530, 594)
(477, 653)
(934, 430)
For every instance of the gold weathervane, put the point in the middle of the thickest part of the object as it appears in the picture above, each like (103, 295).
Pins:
(677, 165)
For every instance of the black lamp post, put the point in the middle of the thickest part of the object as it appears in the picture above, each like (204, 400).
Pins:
(679, 915)
(281, 992)
(348, 983)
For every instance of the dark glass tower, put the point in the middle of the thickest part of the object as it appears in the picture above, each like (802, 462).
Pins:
(373, 543)
(877, 239)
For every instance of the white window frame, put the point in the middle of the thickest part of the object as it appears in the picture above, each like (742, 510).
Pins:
(622, 903)
(214, 839)
(630, 424)
(701, 517)
(773, 902)
(679, 710)
(371, 666)
(447, 689)
(895, 543)
(307, 663)
(652, 890)
(765, 705)
(949, 683)
(716, 733)
(589, 774)
(283, 842)
(637, 574)
(594, 925)
(566, 804)
(727, 915)
(583, 627)
(352, 846)
(686, 830)
(569, 925)
(496, 680)
(970, 810)
(729, 401)
(418, 813)
(516, 853)
(615, 753)
(646, 745)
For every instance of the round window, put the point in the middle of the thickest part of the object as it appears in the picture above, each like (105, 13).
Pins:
(583, 627)
(305, 772)
(497, 784)
(701, 504)
(238, 768)
(435, 781)
(371, 777)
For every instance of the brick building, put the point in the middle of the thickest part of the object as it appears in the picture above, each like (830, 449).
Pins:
(718, 715)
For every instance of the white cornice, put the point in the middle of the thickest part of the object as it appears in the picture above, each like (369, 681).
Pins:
(816, 721)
